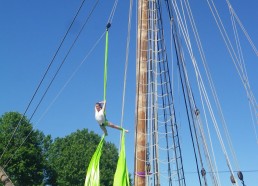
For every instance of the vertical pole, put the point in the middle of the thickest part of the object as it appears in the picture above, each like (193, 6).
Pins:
(141, 94)
(4, 178)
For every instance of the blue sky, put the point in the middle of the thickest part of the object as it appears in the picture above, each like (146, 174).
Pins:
(31, 32)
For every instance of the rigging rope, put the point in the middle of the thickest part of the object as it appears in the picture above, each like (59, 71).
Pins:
(160, 152)
(56, 97)
(209, 78)
(53, 78)
(167, 89)
(41, 81)
(187, 110)
(241, 62)
(188, 40)
(241, 72)
(112, 12)
(244, 30)
(72, 76)
(126, 64)
(218, 105)
(106, 48)
(121, 176)
(179, 57)
(233, 55)
(126, 60)
(191, 97)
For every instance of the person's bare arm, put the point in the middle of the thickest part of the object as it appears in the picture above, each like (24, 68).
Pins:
(104, 105)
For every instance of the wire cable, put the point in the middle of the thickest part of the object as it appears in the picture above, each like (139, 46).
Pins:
(53, 78)
(110, 19)
(60, 66)
(41, 81)
(126, 65)
(59, 93)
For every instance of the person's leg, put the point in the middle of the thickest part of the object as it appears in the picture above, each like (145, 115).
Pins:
(115, 126)
(104, 129)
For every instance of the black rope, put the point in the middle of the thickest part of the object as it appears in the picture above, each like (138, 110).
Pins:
(60, 66)
(169, 92)
(179, 61)
(42, 79)
(64, 60)
(193, 107)
(188, 118)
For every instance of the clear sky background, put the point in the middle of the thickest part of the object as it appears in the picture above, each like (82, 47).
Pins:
(31, 32)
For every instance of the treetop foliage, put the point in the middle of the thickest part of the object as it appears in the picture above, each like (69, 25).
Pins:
(43, 161)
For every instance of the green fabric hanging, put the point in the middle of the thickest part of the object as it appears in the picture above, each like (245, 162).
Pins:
(92, 176)
(121, 177)
(106, 66)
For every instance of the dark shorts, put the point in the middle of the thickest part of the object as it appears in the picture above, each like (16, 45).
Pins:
(104, 124)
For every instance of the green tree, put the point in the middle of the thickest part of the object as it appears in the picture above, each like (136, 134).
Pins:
(69, 158)
(24, 164)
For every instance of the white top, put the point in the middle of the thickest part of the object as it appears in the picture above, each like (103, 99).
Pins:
(99, 116)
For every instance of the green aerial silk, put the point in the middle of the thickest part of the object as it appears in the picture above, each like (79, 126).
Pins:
(92, 176)
(106, 66)
(121, 177)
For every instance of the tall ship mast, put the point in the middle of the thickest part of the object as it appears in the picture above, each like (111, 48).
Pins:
(158, 159)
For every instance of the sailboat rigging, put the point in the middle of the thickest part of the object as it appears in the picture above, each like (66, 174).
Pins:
(158, 154)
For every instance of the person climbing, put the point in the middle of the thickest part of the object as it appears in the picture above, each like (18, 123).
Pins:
(101, 118)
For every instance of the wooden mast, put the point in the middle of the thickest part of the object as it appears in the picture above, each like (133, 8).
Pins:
(141, 94)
